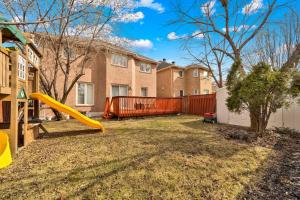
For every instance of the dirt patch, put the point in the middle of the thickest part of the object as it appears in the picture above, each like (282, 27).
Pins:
(282, 179)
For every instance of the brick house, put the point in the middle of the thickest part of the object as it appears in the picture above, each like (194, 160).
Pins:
(174, 81)
(111, 71)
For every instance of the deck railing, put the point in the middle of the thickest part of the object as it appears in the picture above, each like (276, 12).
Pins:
(4, 68)
(131, 106)
(128, 106)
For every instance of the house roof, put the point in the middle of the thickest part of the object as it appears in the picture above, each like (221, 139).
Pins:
(165, 65)
(196, 66)
(104, 45)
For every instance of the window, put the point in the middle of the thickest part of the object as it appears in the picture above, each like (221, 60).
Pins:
(144, 92)
(195, 73)
(206, 91)
(119, 60)
(69, 53)
(145, 68)
(196, 92)
(119, 90)
(30, 54)
(205, 74)
(180, 73)
(21, 68)
(181, 93)
(85, 94)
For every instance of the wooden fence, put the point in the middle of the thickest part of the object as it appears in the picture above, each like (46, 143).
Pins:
(199, 104)
(130, 106)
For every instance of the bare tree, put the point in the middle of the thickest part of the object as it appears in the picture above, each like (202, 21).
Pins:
(275, 46)
(231, 25)
(208, 57)
(65, 32)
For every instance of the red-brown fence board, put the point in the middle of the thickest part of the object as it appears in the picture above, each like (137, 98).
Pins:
(131, 106)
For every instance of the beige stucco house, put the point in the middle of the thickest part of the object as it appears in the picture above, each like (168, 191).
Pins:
(110, 71)
(174, 81)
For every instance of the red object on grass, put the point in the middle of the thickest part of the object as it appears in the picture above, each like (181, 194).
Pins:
(209, 115)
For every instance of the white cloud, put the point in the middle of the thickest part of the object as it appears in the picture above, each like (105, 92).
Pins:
(208, 8)
(130, 17)
(152, 5)
(195, 34)
(252, 7)
(172, 36)
(239, 28)
(141, 43)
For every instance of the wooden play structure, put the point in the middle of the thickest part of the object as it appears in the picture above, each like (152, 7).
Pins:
(19, 77)
(20, 62)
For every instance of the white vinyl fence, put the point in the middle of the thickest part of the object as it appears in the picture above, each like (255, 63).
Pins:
(285, 117)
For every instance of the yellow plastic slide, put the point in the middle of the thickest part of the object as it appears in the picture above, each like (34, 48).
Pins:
(68, 110)
(5, 154)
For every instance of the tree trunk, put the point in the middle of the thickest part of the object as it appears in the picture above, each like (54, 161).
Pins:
(254, 122)
(58, 115)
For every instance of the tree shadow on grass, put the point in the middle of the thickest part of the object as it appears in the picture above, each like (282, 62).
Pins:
(165, 142)
(70, 133)
(89, 174)
(186, 142)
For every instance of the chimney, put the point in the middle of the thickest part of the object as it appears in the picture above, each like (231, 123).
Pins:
(164, 59)
(173, 62)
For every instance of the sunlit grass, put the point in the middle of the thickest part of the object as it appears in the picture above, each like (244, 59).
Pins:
(173, 157)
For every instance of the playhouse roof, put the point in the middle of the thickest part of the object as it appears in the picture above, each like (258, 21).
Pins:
(13, 31)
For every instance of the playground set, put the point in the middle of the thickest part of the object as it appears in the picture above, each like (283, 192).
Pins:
(20, 99)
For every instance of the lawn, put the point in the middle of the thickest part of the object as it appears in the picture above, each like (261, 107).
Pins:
(171, 157)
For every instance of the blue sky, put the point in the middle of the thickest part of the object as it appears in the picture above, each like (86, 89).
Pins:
(153, 26)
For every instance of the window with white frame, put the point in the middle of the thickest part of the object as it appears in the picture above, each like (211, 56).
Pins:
(205, 74)
(21, 68)
(196, 73)
(119, 90)
(196, 91)
(144, 92)
(181, 93)
(206, 91)
(119, 60)
(145, 67)
(69, 53)
(30, 54)
(180, 73)
(85, 94)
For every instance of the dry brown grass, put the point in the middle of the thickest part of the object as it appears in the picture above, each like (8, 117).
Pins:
(173, 157)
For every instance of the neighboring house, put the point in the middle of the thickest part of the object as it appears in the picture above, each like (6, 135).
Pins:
(174, 81)
(111, 71)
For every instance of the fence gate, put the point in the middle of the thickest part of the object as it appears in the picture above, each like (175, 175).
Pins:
(199, 104)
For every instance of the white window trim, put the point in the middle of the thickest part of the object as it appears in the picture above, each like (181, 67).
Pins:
(22, 62)
(182, 74)
(196, 93)
(146, 68)
(117, 65)
(195, 75)
(182, 93)
(78, 104)
(127, 86)
(146, 91)
(206, 91)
